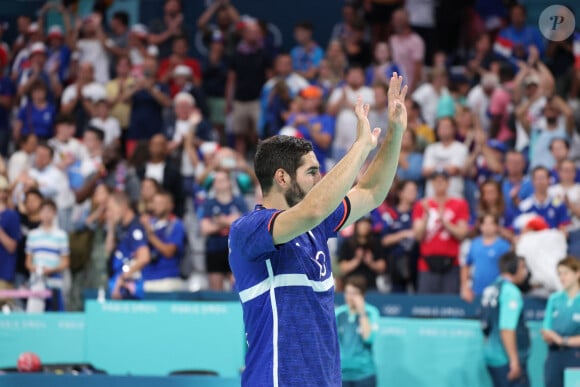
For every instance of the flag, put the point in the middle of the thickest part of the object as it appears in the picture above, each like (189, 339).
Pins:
(576, 50)
(503, 46)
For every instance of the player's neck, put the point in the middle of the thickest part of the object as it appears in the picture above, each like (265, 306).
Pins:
(275, 200)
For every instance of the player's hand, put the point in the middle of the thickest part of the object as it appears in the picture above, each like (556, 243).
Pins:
(359, 303)
(363, 126)
(467, 294)
(515, 371)
(396, 103)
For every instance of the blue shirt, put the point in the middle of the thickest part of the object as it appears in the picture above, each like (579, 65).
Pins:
(37, 120)
(146, 118)
(303, 60)
(388, 72)
(524, 37)
(414, 172)
(554, 211)
(563, 314)
(356, 353)
(212, 207)
(391, 222)
(10, 223)
(526, 190)
(47, 247)
(168, 231)
(555, 176)
(7, 89)
(287, 295)
(485, 259)
(326, 123)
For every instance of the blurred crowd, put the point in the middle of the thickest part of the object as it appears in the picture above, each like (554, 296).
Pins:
(125, 159)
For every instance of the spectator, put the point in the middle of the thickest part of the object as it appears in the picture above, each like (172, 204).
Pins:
(440, 224)
(164, 31)
(408, 48)
(148, 98)
(568, 192)
(514, 41)
(29, 219)
(480, 58)
(516, 186)
(557, 122)
(429, 94)
(47, 254)
(77, 98)
(48, 177)
(478, 99)
(34, 73)
(7, 94)
(383, 67)
(313, 124)
(119, 177)
(118, 39)
(179, 56)
(306, 56)
(88, 39)
(486, 159)
(336, 62)
(67, 149)
(214, 78)
(500, 108)
(9, 237)
(424, 134)
(149, 188)
(58, 53)
(491, 201)
(249, 68)
(126, 245)
(410, 160)
(120, 109)
(553, 211)
(37, 116)
(159, 167)
(218, 213)
(22, 160)
(447, 154)
(357, 323)
(356, 47)
(166, 237)
(276, 107)
(97, 221)
(103, 120)
(23, 54)
(398, 237)
(340, 105)
(361, 254)
(560, 149)
(226, 17)
(138, 49)
(482, 265)
(182, 82)
(379, 113)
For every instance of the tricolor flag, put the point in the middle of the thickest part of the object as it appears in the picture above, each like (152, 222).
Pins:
(503, 47)
(577, 50)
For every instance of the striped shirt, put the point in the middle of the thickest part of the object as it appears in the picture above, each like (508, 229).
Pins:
(47, 247)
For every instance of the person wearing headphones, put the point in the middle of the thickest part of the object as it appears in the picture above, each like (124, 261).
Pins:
(507, 342)
(561, 327)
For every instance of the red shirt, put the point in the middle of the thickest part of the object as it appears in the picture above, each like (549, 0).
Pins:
(437, 240)
(166, 66)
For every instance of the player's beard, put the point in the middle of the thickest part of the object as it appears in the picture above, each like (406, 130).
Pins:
(294, 195)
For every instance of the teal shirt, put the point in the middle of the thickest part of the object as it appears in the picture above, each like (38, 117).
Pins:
(511, 304)
(563, 314)
(356, 354)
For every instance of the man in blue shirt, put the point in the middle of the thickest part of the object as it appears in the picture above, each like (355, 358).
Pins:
(306, 56)
(507, 342)
(126, 243)
(7, 92)
(166, 236)
(9, 237)
(519, 37)
(279, 254)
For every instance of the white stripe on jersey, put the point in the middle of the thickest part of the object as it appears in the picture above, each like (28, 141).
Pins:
(271, 279)
(283, 280)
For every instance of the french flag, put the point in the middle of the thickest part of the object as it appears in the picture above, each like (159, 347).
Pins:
(503, 46)
(576, 50)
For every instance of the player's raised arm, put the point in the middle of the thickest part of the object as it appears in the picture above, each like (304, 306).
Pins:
(326, 195)
(374, 184)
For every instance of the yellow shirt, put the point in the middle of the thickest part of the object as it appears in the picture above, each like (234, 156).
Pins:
(120, 110)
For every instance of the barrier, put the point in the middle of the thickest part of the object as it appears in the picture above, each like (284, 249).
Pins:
(153, 338)
(115, 381)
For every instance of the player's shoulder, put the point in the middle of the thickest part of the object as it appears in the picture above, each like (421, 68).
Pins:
(253, 219)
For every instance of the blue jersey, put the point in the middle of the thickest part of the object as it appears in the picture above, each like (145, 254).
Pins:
(168, 231)
(10, 224)
(287, 295)
(554, 211)
(212, 207)
(485, 260)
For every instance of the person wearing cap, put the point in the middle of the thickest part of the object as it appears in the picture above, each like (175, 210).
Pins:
(553, 210)
(58, 53)
(138, 48)
(440, 223)
(560, 328)
(9, 237)
(21, 55)
(479, 96)
(91, 46)
(182, 82)
(507, 338)
(313, 124)
(36, 71)
(179, 56)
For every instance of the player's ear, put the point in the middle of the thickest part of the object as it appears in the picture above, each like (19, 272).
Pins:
(281, 177)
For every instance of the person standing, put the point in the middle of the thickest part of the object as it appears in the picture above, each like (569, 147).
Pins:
(9, 237)
(561, 330)
(279, 255)
(357, 323)
(507, 341)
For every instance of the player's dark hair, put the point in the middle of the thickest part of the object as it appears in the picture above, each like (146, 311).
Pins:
(279, 152)
(358, 281)
(508, 263)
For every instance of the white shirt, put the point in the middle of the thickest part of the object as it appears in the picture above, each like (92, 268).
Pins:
(73, 147)
(54, 184)
(478, 102)
(427, 97)
(19, 162)
(93, 51)
(558, 192)
(110, 126)
(439, 156)
(71, 91)
(345, 127)
(155, 171)
(182, 128)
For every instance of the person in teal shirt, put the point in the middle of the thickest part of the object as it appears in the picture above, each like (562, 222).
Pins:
(561, 328)
(507, 342)
(357, 323)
